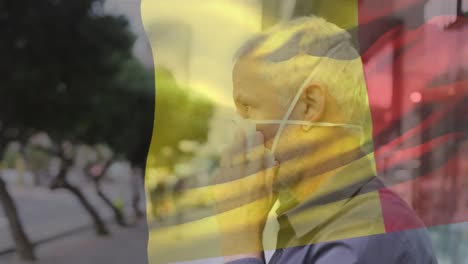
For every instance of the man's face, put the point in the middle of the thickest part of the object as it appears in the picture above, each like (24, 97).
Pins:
(257, 99)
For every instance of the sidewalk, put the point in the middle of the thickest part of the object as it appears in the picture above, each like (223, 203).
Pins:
(46, 214)
(123, 246)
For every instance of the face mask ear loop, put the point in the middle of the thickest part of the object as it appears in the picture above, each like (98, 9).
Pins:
(291, 108)
(302, 122)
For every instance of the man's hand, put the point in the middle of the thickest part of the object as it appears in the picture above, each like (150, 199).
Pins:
(244, 195)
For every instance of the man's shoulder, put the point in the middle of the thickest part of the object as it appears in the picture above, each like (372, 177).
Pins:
(397, 214)
(403, 237)
(409, 246)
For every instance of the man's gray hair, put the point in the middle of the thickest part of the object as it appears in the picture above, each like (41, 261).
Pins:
(337, 45)
(310, 46)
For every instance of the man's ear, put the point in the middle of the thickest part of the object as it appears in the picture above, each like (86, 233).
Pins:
(314, 99)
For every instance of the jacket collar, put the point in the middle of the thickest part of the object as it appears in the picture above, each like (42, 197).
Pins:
(333, 197)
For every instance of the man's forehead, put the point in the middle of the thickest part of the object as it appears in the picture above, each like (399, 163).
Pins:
(247, 65)
(246, 72)
(251, 79)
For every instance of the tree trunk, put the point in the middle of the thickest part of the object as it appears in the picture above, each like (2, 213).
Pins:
(99, 224)
(24, 247)
(36, 178)
(118, 215)
(60, 181)
(136, 195)
(136, 205)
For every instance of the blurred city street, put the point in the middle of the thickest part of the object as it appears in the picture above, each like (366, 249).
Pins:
(50, 215)
(124, 246)
(144, 131)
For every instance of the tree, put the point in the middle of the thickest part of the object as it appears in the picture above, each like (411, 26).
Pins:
(123, 120)
(38, 161)
(56, 55)
(97, 169)
(24, 247)
(180, 115)
(67, 70)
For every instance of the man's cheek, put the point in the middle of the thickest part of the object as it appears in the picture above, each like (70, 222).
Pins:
(269, 132)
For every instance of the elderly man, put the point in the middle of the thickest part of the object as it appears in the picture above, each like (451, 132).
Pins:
(302, 85)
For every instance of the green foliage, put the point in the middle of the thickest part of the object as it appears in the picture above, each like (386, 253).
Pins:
(70, 72)
(67, 70)
(179, 116)
(36, 159)
(56, 56)
(12, 153)
(123, 117)
(104, 152)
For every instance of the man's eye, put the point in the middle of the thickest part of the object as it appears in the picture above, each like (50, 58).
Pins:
(246, 107)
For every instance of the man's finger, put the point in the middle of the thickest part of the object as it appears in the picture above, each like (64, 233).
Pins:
(256, 152)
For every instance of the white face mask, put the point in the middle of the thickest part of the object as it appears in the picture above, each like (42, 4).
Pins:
(285, 121)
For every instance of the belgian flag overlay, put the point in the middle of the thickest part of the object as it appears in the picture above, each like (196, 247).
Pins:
(408, 82)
